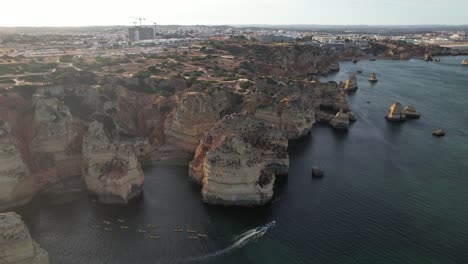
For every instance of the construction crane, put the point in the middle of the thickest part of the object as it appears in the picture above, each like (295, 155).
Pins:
(139, 18)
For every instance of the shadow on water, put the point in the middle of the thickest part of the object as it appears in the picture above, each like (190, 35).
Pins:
(393, 129)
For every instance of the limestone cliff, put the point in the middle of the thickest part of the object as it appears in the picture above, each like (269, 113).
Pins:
(238, 159)
(195, 114)
(57, 144)
(16, 244)
(293, 107)
(111, 169)
(285, 60)
(91, 131)
(17, 185)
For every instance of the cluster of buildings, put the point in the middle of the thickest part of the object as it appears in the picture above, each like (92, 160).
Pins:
(151, 38)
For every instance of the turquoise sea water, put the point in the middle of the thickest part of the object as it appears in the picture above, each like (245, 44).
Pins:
(392, 193)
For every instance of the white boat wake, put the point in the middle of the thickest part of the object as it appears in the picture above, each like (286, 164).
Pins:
(239, 241)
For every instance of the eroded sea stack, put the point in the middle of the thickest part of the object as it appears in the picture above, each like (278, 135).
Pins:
(396, 113)
(111, 170)
(238, 159)
(16, 244)
(351, 83)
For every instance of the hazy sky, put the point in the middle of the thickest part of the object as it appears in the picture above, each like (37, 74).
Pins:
(343, 12)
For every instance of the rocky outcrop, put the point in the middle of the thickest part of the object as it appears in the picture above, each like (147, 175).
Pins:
(143, 115)
(57, 144)
(16, 244)
(284, 60)
(237, 161)
(17, 185)
(438, 133)
(351, 84)
(195, 114)
(293, 107)
(340, 121)
(111, 169)
(317, 172)
(396, 113)
(168, 117)
(410, 112)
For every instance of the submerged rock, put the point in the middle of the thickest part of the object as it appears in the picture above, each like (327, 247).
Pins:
(111, 170)
(438, 133)
(396, 113)
(16, 244)
(340, 121)
(317, 172)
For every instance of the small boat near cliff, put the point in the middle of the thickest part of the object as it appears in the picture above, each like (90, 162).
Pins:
(373, 78)
(464, 62)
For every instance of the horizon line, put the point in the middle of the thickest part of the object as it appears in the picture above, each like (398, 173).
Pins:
(249, 25)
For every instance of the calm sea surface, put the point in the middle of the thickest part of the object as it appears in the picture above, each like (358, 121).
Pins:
(392, 193)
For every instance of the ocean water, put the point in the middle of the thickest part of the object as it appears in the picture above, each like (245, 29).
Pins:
(392, 193)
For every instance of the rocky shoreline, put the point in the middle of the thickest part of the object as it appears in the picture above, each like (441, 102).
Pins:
(397, 50)
(83, 131)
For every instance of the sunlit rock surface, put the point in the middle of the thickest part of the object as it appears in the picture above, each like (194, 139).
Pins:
(238, 160)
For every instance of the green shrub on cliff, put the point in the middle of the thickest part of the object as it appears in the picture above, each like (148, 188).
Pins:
(246, 85)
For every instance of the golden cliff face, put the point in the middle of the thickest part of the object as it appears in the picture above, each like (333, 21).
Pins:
(57, 144)
(111, 169)
(247, 102)
(195, 114)
(238, 159)
(16, 244)
(17, 185)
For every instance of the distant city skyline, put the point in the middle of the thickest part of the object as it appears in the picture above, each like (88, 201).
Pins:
(234, 12)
